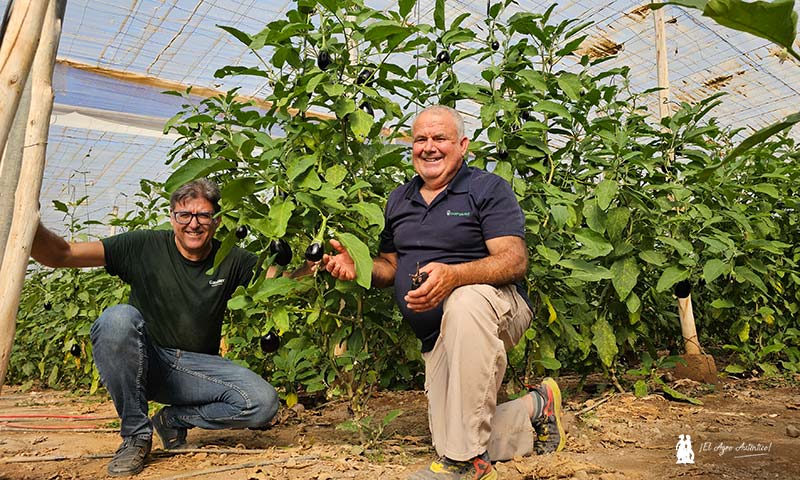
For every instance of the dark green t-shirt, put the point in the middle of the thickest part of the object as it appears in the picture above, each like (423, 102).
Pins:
(182, 306)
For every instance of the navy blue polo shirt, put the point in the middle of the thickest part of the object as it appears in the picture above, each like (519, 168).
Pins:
(476, 206)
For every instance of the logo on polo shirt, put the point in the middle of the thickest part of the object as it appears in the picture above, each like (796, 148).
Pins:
(216, 283)
(453, 213)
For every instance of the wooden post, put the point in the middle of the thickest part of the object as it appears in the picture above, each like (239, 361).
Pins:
(662, 67)
(12, 164)
(690, 342)
(16, 56)
(26, 210)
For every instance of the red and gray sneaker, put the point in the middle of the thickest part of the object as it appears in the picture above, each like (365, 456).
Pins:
(550, 436)
(478, 468)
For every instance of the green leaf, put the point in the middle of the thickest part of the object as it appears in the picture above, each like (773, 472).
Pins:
(281, 319)
(438, 14)
(762, 135)
(239, 302)
(548, 254)
(640, 388)
(372, 212)
(270, 287)
(335, 174)
(299, 165)
(391, 416)
(405, 7)
(547, 106)
(595, 216)
(604, 341)
(605, 192)
(279, 214)
(359, 251)
(585, 271)
(670, 277)
(562, 215)
(344, 106)
(735, 369)
(60, 206)
(743, 332)
(767, 189)
(549, 363)
(776, 347)
(653, 258)
(534, 79)
(238, 34)
(713, 269)
(626, 274)
(238, 188)
(571, 85)
(616, 221)
(593, 244)
(775, 21)
(379, 31)
(360, 124)
(633, 303)
(745, 274)
(683, 247)
(698, 4)
(722, 303)
(194, 169)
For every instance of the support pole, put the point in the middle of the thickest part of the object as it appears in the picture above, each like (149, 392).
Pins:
(16, 56)
(26, 210)
(662, 66)
(12, 164)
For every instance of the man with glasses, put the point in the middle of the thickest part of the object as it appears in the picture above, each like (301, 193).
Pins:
(454, 249)
(164, 344)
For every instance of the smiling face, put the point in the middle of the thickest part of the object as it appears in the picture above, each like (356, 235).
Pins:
(193, 239)
(437, 151)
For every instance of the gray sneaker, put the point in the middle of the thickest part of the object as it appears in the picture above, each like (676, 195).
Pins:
(171, 437)
(130, 456)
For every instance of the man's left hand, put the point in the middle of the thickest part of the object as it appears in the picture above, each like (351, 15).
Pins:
(442, 279)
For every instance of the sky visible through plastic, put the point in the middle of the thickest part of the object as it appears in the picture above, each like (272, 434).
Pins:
(106, 132)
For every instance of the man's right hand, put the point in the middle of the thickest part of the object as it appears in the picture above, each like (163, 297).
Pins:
(341, 264)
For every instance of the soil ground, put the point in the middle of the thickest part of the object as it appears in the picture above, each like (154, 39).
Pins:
(745, 429)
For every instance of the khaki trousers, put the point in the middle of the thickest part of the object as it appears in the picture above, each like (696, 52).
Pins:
(464, 372)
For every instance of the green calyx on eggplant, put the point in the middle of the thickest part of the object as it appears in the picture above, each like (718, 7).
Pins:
(282, 252)
(270, 342)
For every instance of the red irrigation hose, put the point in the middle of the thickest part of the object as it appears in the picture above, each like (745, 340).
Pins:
(29, 427)
(47, 415)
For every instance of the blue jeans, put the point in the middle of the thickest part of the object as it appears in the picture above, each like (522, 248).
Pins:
(202, 390)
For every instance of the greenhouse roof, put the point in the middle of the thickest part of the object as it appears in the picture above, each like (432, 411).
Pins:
(115, 58)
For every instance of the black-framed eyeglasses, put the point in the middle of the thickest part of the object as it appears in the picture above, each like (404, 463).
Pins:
(185, 218)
